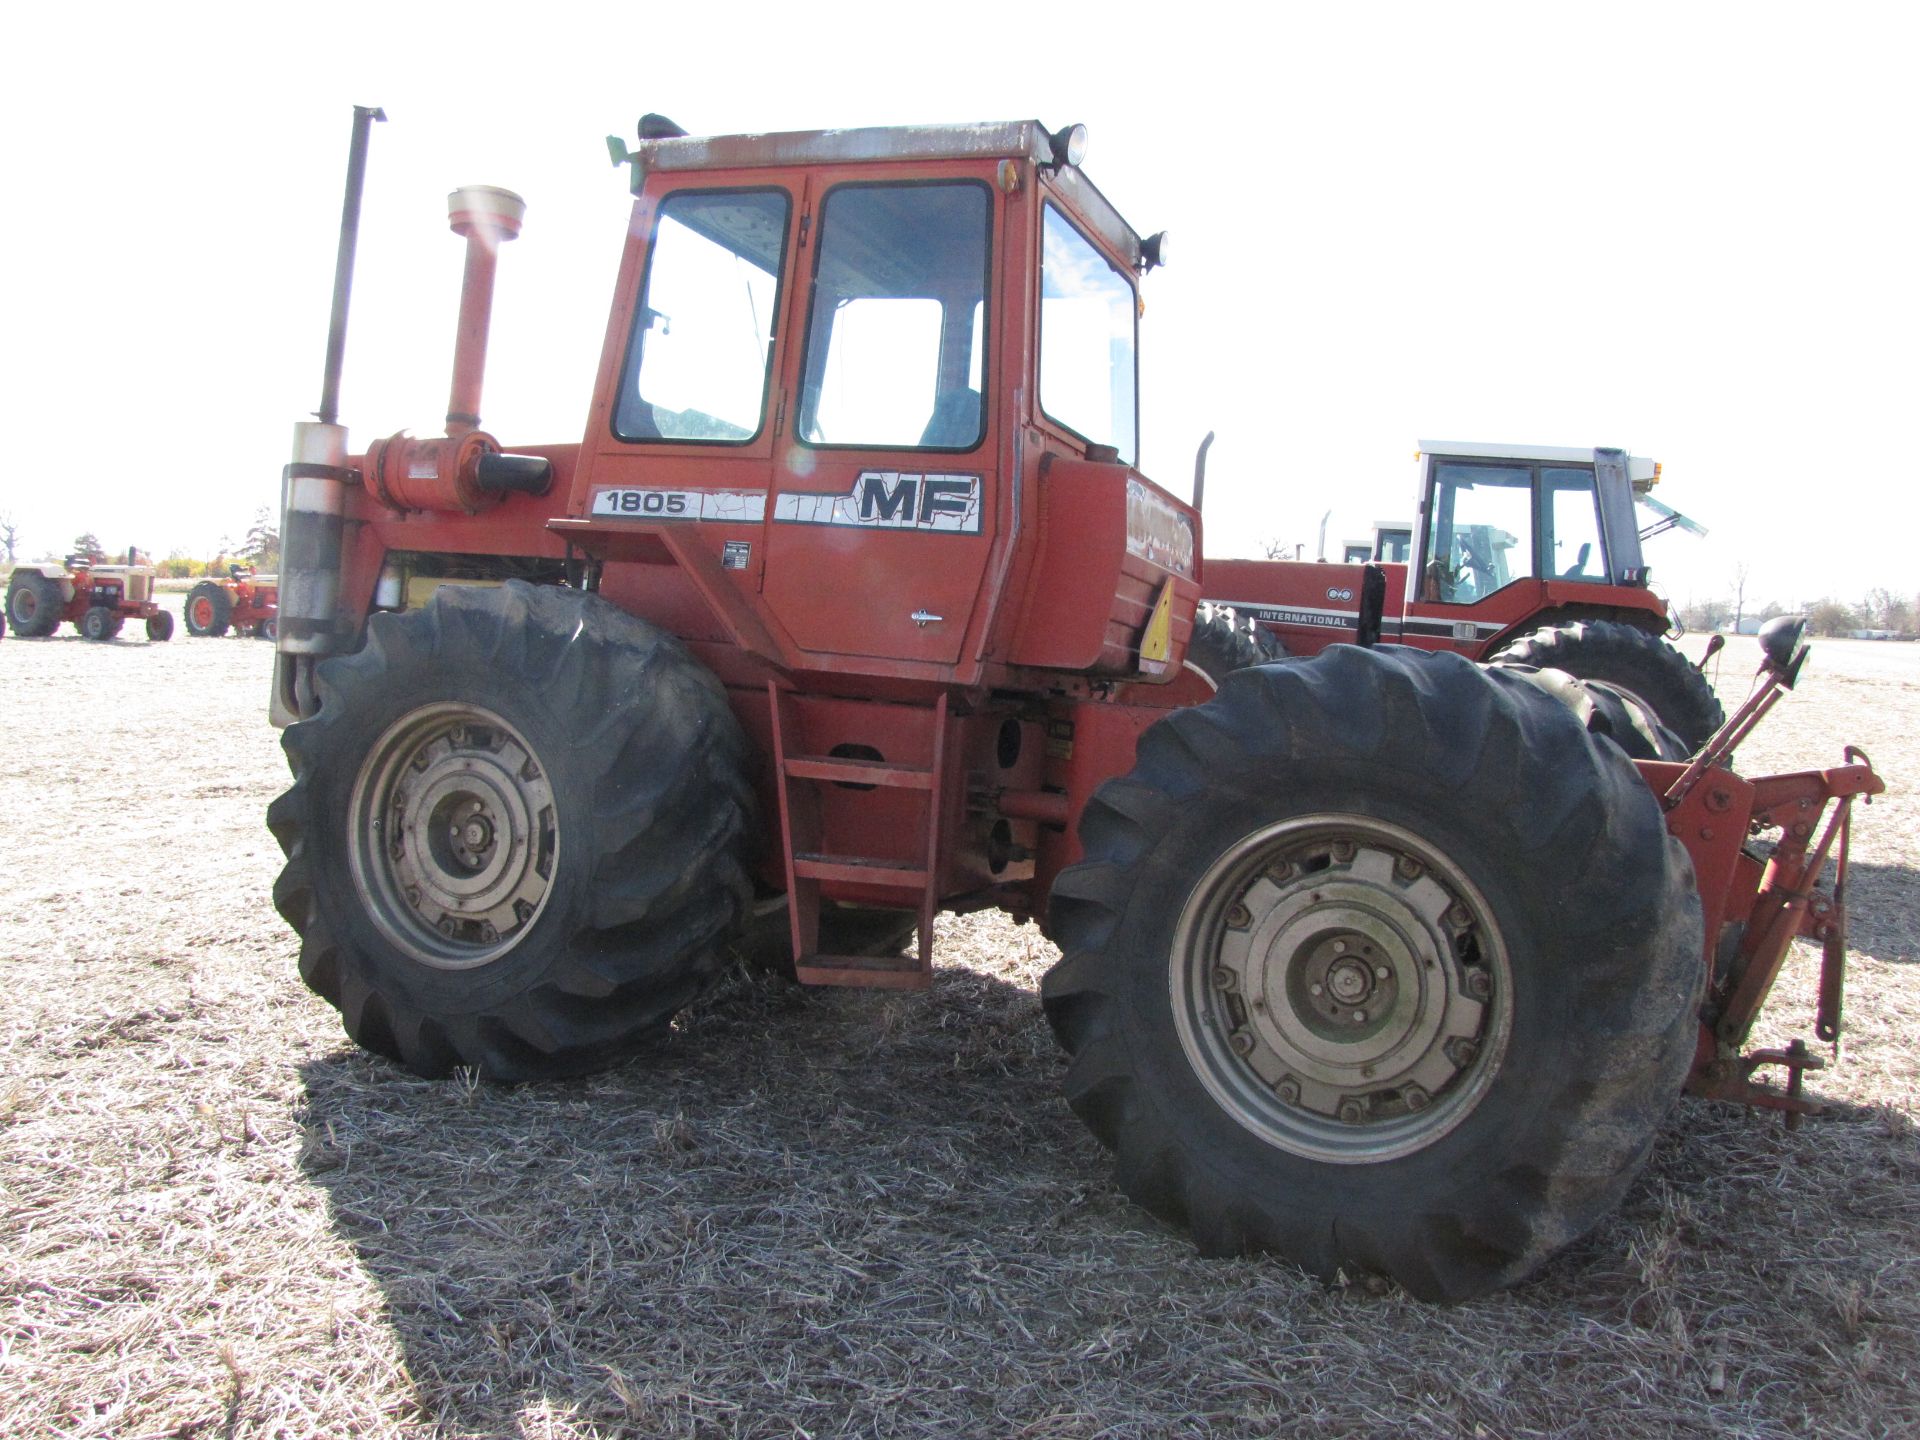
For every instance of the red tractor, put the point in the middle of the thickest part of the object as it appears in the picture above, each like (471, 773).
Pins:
(244, 602)
(97, 597)
(849, 606)
(1523, 554)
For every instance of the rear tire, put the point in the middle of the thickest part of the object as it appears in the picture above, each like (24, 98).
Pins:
(568, 789)
(208, 609)
(34, 605)
(1222, 644)
(1453, 1121)
(1644, 666)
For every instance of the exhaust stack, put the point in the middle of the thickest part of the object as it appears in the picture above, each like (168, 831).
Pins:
(313, 486)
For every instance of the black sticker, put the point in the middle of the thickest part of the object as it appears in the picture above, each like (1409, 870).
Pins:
(735, 554)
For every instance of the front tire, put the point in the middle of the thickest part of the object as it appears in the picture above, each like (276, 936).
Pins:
(514, 838)
(1378, 961)
(1644, 666)
(100, 623)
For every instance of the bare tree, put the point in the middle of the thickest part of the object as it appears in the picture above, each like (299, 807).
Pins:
(9, 535)
(1739, 594)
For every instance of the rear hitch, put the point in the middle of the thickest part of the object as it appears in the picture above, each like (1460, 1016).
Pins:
(1755, 905)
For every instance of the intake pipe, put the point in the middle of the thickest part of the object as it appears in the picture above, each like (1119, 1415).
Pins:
(486, 217)
(466, 470)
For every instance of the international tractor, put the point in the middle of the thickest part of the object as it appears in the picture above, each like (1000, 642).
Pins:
(96, 597)
(1522, 554)
(850, 606)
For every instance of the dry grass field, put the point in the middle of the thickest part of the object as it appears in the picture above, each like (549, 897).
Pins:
(815, 1214)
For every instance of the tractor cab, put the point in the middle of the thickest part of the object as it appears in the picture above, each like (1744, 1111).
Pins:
(1491, 515)
(874, 392)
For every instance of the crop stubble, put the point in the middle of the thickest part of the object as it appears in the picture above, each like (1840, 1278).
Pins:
(814, 1213)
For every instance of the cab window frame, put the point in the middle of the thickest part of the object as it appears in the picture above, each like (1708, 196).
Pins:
(630, 360)
(809, 383)
(1051, 202)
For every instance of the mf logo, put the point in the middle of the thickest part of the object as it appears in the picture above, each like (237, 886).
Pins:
(922, 500)
(892, 500)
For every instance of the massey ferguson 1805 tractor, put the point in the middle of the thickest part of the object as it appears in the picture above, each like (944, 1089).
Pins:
(849, 606)
(242, 602)
(1522, 554)
(97, 597)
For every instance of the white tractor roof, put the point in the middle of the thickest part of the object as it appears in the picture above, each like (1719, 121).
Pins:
(1639, 468)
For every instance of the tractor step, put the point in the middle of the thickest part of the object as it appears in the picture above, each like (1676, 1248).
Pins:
(872, 972)
(860, 870)
(914, 882)
(859, 772)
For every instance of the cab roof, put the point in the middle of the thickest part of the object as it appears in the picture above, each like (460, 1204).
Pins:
(1019, 140)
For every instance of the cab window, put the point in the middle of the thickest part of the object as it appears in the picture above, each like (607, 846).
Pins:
(1480, 530)
(896, 341)
(699, 357)
(1087, 319)
(1570, 543)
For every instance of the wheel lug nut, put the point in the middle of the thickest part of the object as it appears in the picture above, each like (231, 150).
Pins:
(1316, 989)
(1380, 972)
(1339, 947)
(1479, 984)
(1287, 1092)
(1407, 868)
(1353, 1110)
(1241, 1042)
(1461, 1051)
(1224, 979)
(1343, 850)
(1359, 1017)
(1458, 914)
(1239, 917)
(1416, 1098)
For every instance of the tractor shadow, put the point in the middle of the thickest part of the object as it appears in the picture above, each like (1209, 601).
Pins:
(789, 1163)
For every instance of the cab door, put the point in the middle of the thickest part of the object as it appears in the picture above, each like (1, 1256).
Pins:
(882, 518)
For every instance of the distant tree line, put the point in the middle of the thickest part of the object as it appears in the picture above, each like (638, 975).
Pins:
(1878, 609)
(260, 548)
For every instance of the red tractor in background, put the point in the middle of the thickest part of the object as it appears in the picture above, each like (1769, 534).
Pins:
(1521, 554)
(97, 597)
(849, 606)
(244, 602)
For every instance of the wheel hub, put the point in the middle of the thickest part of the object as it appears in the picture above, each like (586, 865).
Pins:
(1356, 998)
(455, 835)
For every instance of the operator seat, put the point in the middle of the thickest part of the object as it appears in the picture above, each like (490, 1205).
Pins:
(955, 422)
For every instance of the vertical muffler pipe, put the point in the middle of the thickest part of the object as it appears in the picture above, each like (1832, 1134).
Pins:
(313, 487)
(486, 217)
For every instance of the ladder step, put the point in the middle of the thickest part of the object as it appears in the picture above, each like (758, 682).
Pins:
(860, 870)
(873, 972)
(860, 772)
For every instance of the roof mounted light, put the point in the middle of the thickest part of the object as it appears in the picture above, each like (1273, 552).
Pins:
(1069, 144)
(1153, 251)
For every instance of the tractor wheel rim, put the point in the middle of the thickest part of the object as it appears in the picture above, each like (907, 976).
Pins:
(202, 613)
(454, 836)
(1341, 988)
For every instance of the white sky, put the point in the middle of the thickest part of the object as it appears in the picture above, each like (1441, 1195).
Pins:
(1688, 230)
